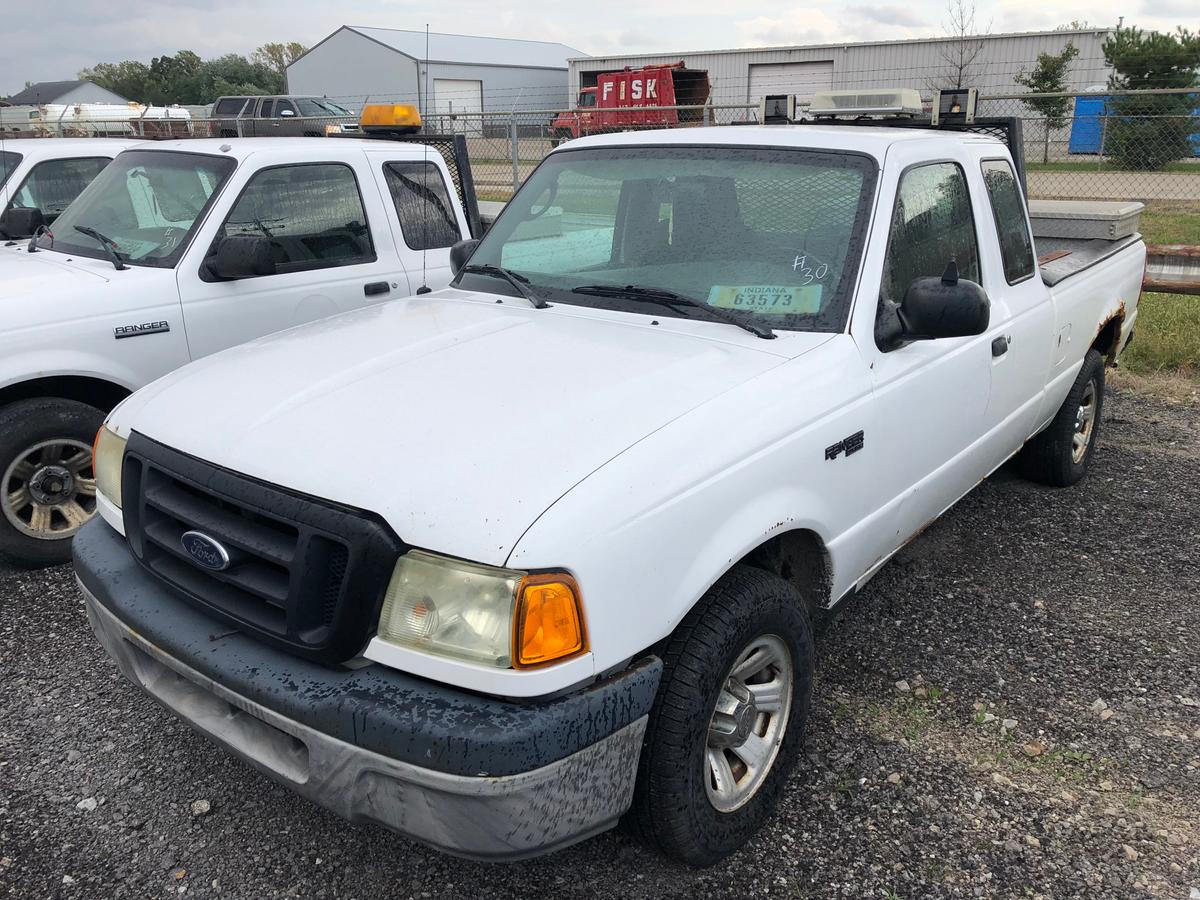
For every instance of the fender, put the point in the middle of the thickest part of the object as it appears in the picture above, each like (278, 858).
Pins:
(682, 506)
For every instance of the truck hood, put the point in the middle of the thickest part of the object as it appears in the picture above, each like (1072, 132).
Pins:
(22, 274)
(457, 419)
(38, 288)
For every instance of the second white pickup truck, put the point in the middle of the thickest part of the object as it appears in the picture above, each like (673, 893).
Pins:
(501, 564)
(179, 249)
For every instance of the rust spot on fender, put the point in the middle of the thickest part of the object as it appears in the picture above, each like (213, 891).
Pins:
(1110, 352)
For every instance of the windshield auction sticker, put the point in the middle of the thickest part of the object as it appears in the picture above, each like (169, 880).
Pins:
(767, 298)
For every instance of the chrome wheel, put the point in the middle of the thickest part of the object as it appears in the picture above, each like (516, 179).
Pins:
(748, 723)
(1085, 423)
(49, 490)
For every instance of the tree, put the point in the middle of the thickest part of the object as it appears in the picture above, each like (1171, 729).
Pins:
(186, 78)
(277, 56)
(129, 78)
(1147, 131)
(960, 56)
(1049, 76)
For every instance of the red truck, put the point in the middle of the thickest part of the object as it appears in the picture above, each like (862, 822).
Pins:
(635, 98)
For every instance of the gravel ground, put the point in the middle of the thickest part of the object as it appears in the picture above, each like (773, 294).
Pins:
(1012, 708)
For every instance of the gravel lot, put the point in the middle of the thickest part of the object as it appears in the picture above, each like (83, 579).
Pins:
(1045, 741)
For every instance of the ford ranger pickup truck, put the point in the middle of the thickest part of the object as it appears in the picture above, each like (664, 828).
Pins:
(39, 178)
(503, 564)
(179, 249)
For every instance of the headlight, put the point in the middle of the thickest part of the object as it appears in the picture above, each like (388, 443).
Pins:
(108, 454)
(496, 617)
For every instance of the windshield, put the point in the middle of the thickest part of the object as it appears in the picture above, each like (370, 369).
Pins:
(147, 201)
(8, 164)
(320, 108)
(774, 235)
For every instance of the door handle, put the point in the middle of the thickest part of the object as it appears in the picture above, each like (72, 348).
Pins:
(1000, 345)
(375, 288)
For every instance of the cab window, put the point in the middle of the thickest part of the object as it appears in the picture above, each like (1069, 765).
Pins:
(932, 223)
(312, 214)
(53, 184)
(422, 205)
(1016, 246)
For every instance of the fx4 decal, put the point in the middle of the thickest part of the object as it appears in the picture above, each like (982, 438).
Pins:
(848, 445)
(128, 331)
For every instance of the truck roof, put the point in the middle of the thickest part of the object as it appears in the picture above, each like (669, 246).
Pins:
(864, 139)
(62, 147)
(313, 147)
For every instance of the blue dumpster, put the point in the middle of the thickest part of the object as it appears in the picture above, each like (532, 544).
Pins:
(1087, 128)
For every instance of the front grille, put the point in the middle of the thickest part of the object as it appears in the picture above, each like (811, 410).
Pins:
(304, 574)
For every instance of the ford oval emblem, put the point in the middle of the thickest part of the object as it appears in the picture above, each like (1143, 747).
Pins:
(205, 551)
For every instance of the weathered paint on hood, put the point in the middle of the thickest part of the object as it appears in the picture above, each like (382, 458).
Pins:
(456, 418)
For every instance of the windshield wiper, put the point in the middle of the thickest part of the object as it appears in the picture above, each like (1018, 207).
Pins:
(517, 281)
(671, 299)
(109, 245)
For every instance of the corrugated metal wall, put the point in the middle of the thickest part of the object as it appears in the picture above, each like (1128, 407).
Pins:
(918, 63)
(352, 68)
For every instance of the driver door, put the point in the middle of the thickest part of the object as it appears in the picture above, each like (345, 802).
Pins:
(931, 396)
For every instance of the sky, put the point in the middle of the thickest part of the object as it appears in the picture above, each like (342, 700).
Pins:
(73, 34)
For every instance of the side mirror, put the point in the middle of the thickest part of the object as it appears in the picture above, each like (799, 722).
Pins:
(460, 253)
(286, 113)
(241, 256)
(20, 222)
(935, 307)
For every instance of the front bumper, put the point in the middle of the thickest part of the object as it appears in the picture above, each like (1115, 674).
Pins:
(469, 775)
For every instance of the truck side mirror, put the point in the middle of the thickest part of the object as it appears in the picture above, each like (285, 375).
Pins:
(944, 307)
(934, 307)
(286, 113)
(240, 256)
(20, 222)
(460, 253)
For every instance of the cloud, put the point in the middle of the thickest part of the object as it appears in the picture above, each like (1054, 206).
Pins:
(890, 15)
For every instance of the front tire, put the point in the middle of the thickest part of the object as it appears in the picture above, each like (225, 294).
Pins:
(728, 722)
(47, 485)
(1060, 455)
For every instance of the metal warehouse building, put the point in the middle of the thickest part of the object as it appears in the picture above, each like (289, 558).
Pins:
(746, 75)
(466, 74)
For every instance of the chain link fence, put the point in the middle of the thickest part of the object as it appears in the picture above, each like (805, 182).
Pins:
(1109, 146)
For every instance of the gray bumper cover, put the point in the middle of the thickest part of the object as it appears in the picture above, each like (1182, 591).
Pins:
(373, 744)
(504, 817)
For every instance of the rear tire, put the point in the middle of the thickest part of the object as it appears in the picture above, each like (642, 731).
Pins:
(47, 485)
(696, 799)
(1060, 455)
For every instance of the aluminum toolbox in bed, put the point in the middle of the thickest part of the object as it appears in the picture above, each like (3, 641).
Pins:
(1106, 220)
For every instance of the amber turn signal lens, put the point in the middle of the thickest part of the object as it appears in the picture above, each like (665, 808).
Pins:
(549, 623)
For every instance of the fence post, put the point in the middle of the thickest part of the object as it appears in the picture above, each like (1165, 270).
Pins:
(708, 111)
(512, 132)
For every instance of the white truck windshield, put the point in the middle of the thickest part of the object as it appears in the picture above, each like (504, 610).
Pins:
(147, 202)
(772, 234)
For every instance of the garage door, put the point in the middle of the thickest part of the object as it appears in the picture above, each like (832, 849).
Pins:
(452, 96)
(802, 79)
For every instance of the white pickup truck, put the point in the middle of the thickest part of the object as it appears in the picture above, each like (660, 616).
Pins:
(40, 177)
(499, 565)
(179, 249)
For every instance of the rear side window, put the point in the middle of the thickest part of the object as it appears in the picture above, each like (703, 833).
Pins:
(931, 224)
(230, 106)
(312, 214)
(422, 204)
(267, 109)
(53, 184)
(8, 164)
(1016, 247)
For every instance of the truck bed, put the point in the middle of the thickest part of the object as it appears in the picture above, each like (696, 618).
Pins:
(1060, 258)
